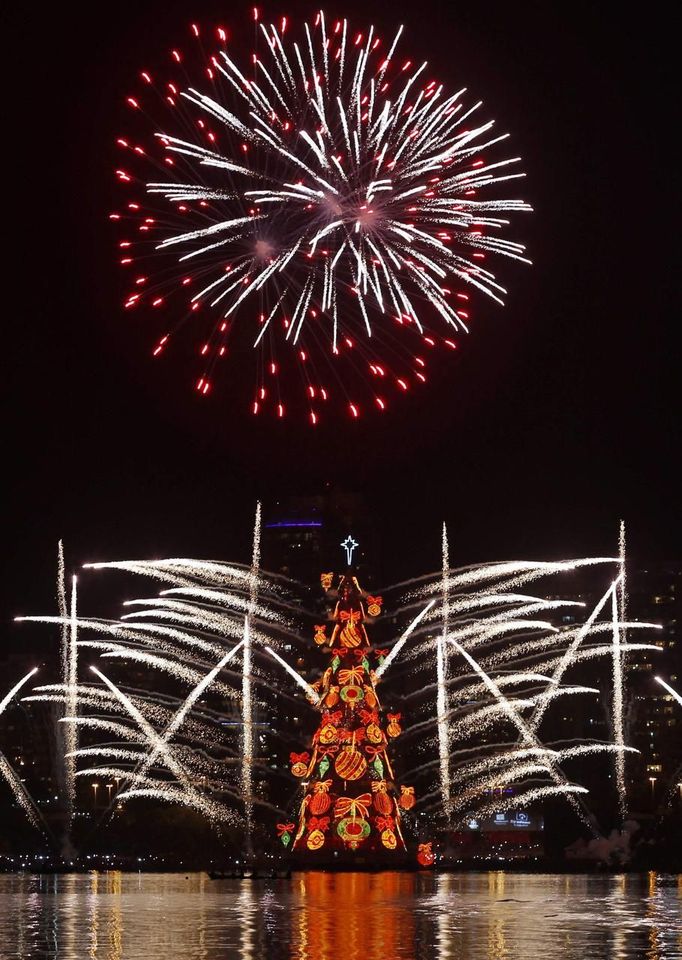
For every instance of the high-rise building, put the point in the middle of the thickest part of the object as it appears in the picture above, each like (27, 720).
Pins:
(654, 718)
(302, 535)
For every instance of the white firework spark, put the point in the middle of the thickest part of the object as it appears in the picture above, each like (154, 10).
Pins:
(18, 789)
(441, 675)
(671, 690)
(330, 199)
(509, 669)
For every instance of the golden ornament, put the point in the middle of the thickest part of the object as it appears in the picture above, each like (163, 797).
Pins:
(389, 839)
(374, 734)
(315, 840)
(328, 733)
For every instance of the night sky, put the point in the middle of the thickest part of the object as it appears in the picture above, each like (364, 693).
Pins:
(559, 415)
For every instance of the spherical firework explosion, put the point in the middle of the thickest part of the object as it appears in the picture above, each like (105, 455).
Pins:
(324, 202)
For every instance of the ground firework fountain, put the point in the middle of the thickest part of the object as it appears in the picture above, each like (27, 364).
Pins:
(488, 661)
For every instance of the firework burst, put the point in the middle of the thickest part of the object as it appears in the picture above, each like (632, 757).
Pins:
(325, 206)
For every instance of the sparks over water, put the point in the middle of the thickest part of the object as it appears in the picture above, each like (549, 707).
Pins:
(325, 201)
(219, 630)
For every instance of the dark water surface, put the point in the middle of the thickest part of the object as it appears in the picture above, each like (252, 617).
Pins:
(320, 916)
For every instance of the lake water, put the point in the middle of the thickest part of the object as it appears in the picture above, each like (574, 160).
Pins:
(351, 916)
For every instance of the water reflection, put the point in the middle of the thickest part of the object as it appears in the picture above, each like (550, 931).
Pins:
(355, 915)
(321, 916)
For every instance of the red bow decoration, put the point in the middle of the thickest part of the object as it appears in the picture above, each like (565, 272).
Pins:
(369, 716)
(352, 615)
(332, 748)
(393, 716)
(334, 717)
(358, 652)
(299, 757)
(381, 653)
(339, 651)
(384, 823)
(283, 828)
(319, 823)
(373, 751)
(372, 600)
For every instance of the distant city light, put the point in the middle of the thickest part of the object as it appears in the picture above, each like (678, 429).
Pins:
(294, 523)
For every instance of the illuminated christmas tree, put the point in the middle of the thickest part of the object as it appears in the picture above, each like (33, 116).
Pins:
(351, 800)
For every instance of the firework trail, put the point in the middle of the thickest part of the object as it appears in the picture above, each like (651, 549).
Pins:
(514, 715)
(617, 707)
(20, 793)
(180, 716)
(160, 747)
(619, 615)
(247, 704)
(441, 674)
(404, 637)
(68, 655)
(568, 658)
(209, 619)
(71, 680)
(671, 691)
(329, 205)
(295, 676)
(519, 654)
(11, 694)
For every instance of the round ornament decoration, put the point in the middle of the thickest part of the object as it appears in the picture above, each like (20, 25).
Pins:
(407, 798)
(351, 694)
(374, 606)
(315, 840)
(382, 801)
(332, 697)
(394, 729)
(370, 697)
(425, 855)
(328, 733)
(389, 839)
(299, 769)
(326, 580)
(350, 637)
(374, 734)
(353, 829)
(350, 764)
(320, 801)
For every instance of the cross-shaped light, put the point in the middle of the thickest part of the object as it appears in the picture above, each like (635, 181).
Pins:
(349, 545)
